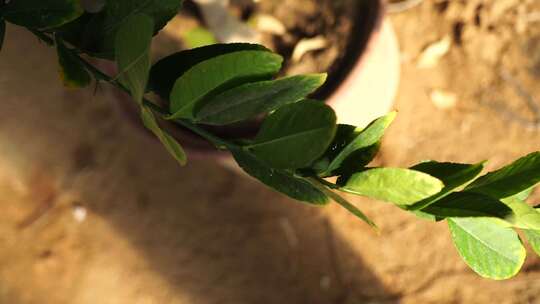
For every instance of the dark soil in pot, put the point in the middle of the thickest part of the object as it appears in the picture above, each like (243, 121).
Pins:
(345, 26)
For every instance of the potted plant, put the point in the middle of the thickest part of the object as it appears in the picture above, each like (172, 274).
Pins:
(300, 150)
(362, 57)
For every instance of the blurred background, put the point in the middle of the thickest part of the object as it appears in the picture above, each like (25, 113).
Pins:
(95, 211)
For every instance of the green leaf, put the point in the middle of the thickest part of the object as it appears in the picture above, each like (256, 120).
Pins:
(199, 37)
(72, 71)
(395, 185)
(490, 249)
(468, 204)
(355, 162)
(96, 33)
(249, 100)
(133, 41)
(279, 180)
(507, 181)
(524, 216)
(2, 32)
(368, 137)
(295, 135)
(40, 14)
(172, 146)
(218, 74)
(166, 71)
(352, 209)
(523, 195)
(533, 236)
(451, 174)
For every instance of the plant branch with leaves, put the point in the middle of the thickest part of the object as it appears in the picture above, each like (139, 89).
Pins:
(300, 144)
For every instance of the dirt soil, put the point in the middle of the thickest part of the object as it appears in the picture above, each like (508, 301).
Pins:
(94, 211)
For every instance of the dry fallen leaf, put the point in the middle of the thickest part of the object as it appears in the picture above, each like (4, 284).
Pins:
(269, 24)
(308, 45)
(433, 53)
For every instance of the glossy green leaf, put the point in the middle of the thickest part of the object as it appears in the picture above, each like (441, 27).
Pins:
(172, 146)
(166, 71)
(355, 162)
(533, 236)
(40, 14)
(368, 137)
(452, 175)
(218, 74)
(72, 71)
(96, 33)
(468, 204)
(2, 32)
(279, 180)
(345, 134)
(395, 185)
(295, 135)
(490, 249)
(352, 209)
(524, 216)
(358, 160)
(509, 180)
(133, 41)
(249, 100)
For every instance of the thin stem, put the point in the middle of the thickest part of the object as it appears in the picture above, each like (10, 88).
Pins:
(340, 200)
(103, 76)
(326, 183)
(219, 142)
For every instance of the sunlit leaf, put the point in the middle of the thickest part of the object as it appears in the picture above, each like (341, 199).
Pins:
(395, 185)
(490, 249)
(218, 74)
(533, 236)
(166, 71)
(524, 216)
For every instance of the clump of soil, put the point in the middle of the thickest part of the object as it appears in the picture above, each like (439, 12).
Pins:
(305, 19)
(497, 45)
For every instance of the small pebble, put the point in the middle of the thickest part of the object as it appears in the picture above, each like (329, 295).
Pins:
(325, 282)
(432, 54)
(79, 213)
(443, 99)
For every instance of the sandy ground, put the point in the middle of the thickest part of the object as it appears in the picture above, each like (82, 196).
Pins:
(94, 211)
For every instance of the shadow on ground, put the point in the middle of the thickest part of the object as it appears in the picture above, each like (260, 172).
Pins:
(214, 236)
